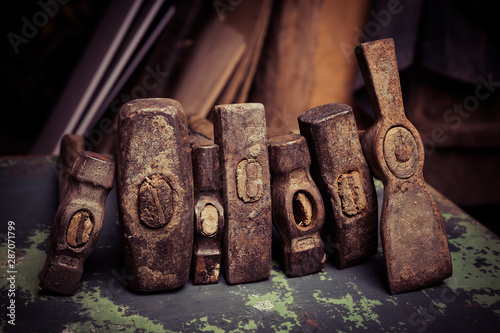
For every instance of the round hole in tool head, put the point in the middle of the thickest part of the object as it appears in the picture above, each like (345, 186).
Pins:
(304, 211)
(209, 217)
(79, 228)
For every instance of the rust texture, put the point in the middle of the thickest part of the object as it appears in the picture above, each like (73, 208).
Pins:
(240, 132)
(209, 214)
(155, 193)
(78, 221)
(71, 145)
(298, 210)
(411, 225)
(343, 177)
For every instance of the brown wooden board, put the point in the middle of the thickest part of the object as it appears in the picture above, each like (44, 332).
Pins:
(218, 50)
(251, 19)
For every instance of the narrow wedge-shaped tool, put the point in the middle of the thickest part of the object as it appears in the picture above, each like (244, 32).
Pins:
(155, 193)
(240, 132)
(209, 214)
(71, 145)
(78, 221)
(298, 211)
(411, 225)
(343, 177)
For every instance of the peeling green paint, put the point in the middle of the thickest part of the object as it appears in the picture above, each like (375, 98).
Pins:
(323, 276)
(392, 300)
(251, 325)
(279, 300)
(29, 264)
(358, 310)
(105, 313)
(278, 305)
(476, 264)
(209, 328)
(31, 268)
(486, 300)
(439, 304)
(473, 246)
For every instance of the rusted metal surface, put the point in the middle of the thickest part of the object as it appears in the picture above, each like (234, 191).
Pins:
(209, 214)
(411, 225)
(195, 138)
(343, 177)
(298, 210)
(155, 193)
(240, 132)
(71, 145)
(78, 221)
(348, 299)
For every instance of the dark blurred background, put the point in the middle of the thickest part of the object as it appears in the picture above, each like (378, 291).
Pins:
(448, 53)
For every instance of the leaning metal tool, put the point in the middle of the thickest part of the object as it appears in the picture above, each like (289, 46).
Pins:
(155, 193)
(78, 221)
(240, 132)
(209, 214)
(71, 145)
(298, 211)
(343, 177)
(411, 225)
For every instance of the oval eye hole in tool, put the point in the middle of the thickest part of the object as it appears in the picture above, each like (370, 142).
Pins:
(304, 211)
(79, 228)
(209, 220)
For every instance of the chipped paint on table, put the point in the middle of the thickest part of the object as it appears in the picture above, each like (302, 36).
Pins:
(332, 300)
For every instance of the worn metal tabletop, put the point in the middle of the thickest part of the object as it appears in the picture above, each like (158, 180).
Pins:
(333, 300)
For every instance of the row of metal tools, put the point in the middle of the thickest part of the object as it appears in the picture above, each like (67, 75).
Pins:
(190, 205)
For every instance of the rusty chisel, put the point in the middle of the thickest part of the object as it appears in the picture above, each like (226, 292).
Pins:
(411, 224)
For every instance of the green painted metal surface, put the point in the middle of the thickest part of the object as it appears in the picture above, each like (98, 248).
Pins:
(332, 300)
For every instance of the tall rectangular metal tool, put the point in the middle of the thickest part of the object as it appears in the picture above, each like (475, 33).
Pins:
(155, 193)
(343, 177)
(240, 132)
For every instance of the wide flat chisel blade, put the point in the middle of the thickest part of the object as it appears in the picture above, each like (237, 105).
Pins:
(411, 225)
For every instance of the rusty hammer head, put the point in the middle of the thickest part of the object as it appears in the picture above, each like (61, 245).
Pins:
(78, 221)
(298, 211)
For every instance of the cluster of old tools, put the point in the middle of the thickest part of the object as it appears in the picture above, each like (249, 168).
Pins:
(188, 205)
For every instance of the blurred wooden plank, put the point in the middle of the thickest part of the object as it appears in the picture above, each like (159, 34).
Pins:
(87, 75)
(334, 60)
(250, 18)
(244, 90)
(215, 56)
(285, 77)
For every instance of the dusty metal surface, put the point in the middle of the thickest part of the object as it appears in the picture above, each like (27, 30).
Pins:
(411, 225)
(343, 177)
(240, 132)
(209, 214)
(71, 145)
(155, 187)
(78, 221)
(298, 210)
(346, 300)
